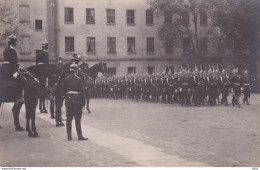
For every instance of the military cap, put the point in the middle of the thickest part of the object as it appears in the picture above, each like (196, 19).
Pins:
(12, 38)
(45, 44)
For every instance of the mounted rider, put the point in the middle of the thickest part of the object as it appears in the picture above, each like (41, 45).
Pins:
(43, 58)
(10, 70)
(10, 58)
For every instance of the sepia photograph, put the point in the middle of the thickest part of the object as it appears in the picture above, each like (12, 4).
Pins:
(129, 83)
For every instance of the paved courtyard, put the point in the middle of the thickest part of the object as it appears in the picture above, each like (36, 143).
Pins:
(125, 133)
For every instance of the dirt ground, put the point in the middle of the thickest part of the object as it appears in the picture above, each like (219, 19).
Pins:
(125, 133)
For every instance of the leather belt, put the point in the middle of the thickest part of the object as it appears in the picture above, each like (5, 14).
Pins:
(72, 92)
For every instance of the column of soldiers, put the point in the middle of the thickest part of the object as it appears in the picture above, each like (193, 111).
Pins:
(184, 86)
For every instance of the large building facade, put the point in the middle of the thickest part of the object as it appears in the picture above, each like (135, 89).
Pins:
(122, 33)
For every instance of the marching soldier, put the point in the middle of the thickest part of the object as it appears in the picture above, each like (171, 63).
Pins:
(73, 91)
(43, 58)
(246, 87)
(224, 79)
(236, 85)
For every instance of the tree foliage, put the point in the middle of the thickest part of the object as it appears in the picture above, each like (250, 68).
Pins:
(235, 21)
(8, 21)
(238, 21)
(177, 29)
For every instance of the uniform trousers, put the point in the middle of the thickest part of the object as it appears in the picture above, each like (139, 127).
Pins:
(76, 112)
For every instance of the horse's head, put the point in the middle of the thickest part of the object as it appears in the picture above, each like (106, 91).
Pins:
(84, 66)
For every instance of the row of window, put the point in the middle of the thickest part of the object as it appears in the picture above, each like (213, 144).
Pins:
(24, 13)
(130, 16)
(130, 70)
(111, 45)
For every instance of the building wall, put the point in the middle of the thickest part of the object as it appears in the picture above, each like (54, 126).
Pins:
(51, 12)
(38, 11)
(100, 30)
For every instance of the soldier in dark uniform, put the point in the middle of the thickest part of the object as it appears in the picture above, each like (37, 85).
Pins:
(43, 58)
(10, 67)
(246, 87)
(224, 89)
(76, 58)
(73, 90)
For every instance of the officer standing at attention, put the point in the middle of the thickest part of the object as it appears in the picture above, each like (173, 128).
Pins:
(10, 70)
(74, 101)
(43, 58)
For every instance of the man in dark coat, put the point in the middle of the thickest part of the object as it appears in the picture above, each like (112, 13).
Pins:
(74, 101)
(43, 58)
(10, 67)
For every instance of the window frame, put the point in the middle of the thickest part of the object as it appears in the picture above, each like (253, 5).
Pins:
(68, 15)
(111, 40)
(131, 68)
(148, 45)
(167, 52)
(203, 18)
(186, 47)
(130, 17)
(22, 50)
(149, 16)
(89, 16)
(38, 29)
(131, 40)
(111, 70)
(168, 17)
(71, 46)
(91, 42)
(111, 15)
(27, 17)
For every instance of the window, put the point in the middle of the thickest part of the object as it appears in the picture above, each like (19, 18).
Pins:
(203, 18)
(131, 44)
(150, 70)
(221, 44)
(24, 13)
(149, 17)
(130, 17)
(69, 44)
(111, 71)
(111, 19)
(38, 25)
(186, 44)
(131, 70)
(168, 17)
(111, 45)
(150, 45)
(25, 45)
(91, 45)
(68, 15)
(90, 16)
(204, 44)
(186, 18)
(168, 46)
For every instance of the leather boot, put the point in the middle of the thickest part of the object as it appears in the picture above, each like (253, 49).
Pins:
(68, 127)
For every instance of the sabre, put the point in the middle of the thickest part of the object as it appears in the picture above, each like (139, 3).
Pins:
(236, 99)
